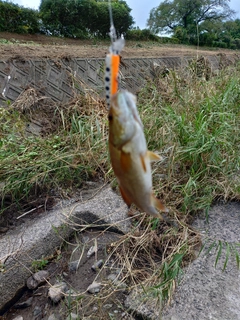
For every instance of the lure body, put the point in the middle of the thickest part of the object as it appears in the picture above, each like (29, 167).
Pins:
(112, 69)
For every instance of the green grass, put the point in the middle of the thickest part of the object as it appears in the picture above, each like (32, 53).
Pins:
(195, 124)
(75, 152)
(191, 122)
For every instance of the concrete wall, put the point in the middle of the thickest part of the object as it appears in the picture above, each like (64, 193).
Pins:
(62, 79)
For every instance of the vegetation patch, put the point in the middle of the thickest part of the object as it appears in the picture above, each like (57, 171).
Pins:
(192, 122)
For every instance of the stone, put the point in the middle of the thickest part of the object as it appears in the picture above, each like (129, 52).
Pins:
(73, 316)
(57, 291)
(120, 285)
(73, 265)
(24, 304)
(97, 265)
(108, 306)
(37, 311)
(18, 318)
(37, 279)
(94, 287)
(3, 229)
(143, 305)
(92, 251)
(112, 277)
(53, 317)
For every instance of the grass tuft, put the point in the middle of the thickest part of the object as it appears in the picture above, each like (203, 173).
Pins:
(71, 147)
(191, 122)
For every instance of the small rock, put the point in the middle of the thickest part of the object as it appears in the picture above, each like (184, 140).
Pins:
(94, 287)
(37, 279)
(97, 265)
(118, 271)
(120, 285)
(3, 229)
(24, 304)
(71, 293)
(18, 318)
(73, 265)
(92, 251)
(53, 317)
(56, 292)
(85, 239)
(143, 304)
(126, 316)
(112, 277)
(37, 311)
(107, 306)
(72, 316)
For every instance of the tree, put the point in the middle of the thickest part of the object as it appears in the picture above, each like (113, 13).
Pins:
(233, 28)
(61, 17)
(187, 14)
(15, 18)
(221, 34)
(76, 18)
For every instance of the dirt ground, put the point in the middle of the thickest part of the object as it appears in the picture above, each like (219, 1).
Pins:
(110, 304)
(32, 46)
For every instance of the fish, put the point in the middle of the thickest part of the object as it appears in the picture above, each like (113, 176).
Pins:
(128, 151)
(130, 158)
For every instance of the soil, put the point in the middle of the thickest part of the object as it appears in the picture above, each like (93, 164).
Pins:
(77, 281)
(110, 302)
(32, 46)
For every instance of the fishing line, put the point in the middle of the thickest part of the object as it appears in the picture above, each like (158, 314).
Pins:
(112, 60)
(112, 33)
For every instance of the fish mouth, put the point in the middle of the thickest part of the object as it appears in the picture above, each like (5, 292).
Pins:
(115, 109)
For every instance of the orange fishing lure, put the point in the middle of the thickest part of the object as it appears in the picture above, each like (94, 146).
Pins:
(112, 69)
(112, 62)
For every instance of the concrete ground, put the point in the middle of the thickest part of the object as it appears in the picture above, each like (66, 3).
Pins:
(208, 292)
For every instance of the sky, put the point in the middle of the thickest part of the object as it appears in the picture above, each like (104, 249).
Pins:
(140, 8)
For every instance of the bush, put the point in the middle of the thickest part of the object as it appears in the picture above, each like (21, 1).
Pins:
(219, 44)
(237, 43)
(18, 19)
(141, 35)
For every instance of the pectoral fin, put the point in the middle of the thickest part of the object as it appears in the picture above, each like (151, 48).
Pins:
(125, 197)
(153, 156)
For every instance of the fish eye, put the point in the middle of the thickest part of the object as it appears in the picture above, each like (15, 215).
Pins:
(110, 117)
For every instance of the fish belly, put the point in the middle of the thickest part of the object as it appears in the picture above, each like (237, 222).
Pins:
(134, 181)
